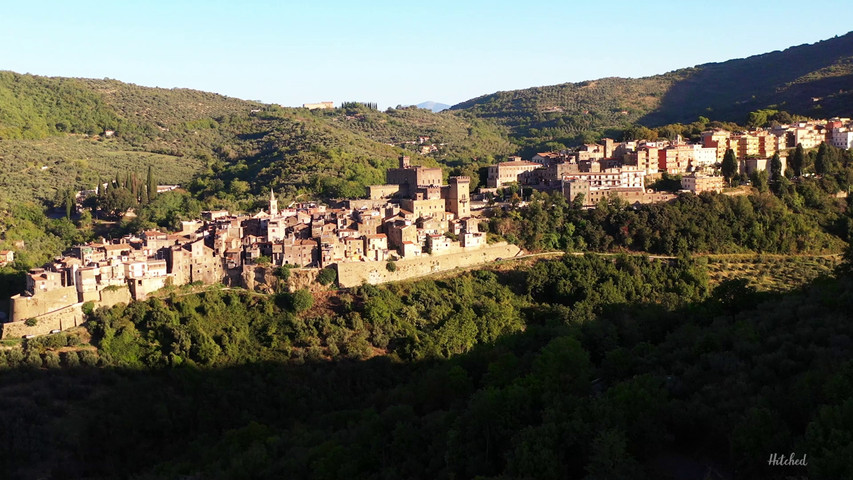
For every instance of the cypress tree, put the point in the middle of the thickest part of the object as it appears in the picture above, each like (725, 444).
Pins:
(775, 168)
(798, 160)
(69, 202)
(825, 160)
(134, 187)
(729, 166)
(152, 186)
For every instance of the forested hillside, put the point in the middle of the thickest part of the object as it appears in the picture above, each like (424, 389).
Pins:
(811, 80)
(337, 153)
(581, 367)
(56, 130)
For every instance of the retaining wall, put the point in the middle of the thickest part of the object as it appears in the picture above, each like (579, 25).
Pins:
(61, 319)
(352, 274)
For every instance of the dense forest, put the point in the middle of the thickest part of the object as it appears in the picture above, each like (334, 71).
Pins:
(806, 220)
(581, 367)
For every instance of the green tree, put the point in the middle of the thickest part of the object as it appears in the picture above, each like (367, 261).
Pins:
(729, 166)
(151, 184)
(117, 201)
(775, 168)
(327, 276)
(301, 300)
(798, 160)
(65, 199)
(759, 180)
(825, 161)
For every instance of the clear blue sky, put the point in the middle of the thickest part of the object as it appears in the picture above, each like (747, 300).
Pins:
(393, 52)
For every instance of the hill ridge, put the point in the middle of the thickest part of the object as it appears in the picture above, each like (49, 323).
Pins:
(726, 90)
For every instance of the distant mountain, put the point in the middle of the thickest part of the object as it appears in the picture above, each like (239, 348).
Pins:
(813, 80)
(434, 106)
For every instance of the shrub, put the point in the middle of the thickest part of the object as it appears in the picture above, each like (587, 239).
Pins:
(89, 306)
(70, 359)
(31, 322)
(283, 272)
(88, 358)
(33, 359)
(327, 276)
(391, 266)
(51, 360)
(301, 300)
(14, 357)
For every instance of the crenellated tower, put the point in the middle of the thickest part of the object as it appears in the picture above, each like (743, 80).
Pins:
(458, 200)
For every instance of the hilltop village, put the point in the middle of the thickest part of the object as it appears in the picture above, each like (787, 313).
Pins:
(414, 215)
(598, 171)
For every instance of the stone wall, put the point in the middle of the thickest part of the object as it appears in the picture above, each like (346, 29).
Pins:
(352, 274)
(23, 307)
(61, 319)
(114, 296)
(65, 310)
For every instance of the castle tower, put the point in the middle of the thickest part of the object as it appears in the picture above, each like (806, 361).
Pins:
(458, 200)
(273, 204)
(608, 147)
(404, 161)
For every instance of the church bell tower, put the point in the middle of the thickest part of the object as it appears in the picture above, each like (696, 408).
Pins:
(273, 204)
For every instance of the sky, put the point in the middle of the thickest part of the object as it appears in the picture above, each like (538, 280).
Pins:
(392, 52)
